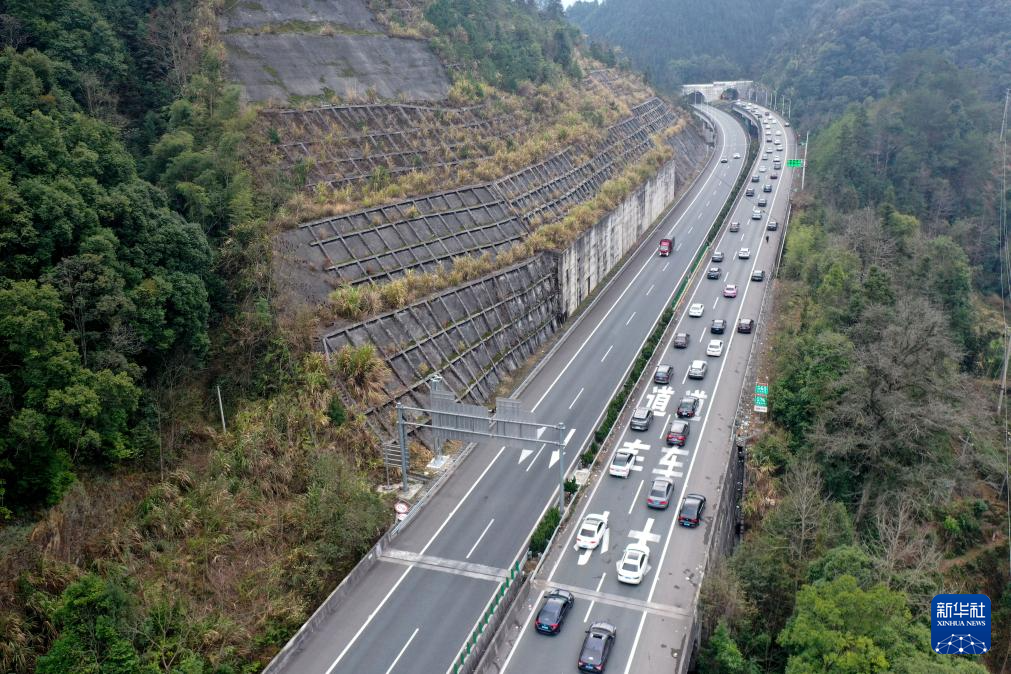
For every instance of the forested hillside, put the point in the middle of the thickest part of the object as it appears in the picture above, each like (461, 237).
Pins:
(823, 53)
(136, 534)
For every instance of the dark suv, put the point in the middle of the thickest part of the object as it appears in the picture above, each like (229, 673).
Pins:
(713, 273)
(718, 326)
(597, 646)
(745, 325)
(688, 407)
(663, 374)
(681, 340)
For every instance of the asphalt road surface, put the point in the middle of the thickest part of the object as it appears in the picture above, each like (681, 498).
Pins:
(654, 618)
(414, 611)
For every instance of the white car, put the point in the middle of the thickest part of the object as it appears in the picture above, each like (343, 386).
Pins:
(715, 348)
(744, 254)
(621, 463)
(696, 309)
(763, 168)
(591, 531)
(776, 158)
(778, 132)
(634, 564)
(697, 370)
(786, 123)
(737, 155)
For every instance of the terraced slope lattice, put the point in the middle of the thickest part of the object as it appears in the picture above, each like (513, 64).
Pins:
(346, 145)
(473, 335)
(421, 233)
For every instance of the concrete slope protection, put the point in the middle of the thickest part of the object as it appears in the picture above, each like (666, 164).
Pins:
(414, 610)
(283, 48)
(654, 619)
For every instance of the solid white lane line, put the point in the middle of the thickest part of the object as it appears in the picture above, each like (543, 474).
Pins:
(688, 473)
(474, 547)
(636, 497)
(630, 318)
(576, 398)
(393, 589)
(530, 616)
(631, 283)
(666, 425)
(650, 289)
(607, 352)
(568, 436)
(401, 653)
(590, 607)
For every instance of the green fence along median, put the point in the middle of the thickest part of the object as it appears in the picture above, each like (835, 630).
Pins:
(618, 402)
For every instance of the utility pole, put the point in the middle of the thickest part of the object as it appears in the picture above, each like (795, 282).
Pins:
(803, 169)
(789, 109)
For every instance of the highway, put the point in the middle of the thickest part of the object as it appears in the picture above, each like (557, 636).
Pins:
(416, 608)
(654, 619)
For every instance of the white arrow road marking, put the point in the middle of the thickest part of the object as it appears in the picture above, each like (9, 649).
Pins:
(540, 431)
(524, 453)
(534, 460)
(605, 541)
(584, 557)
(555, 455)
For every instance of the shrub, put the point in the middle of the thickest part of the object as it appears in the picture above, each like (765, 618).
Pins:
(544, 531)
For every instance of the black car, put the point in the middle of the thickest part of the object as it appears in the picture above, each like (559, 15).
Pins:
(552, 614)
(681, 340)
(692, 507)
(745, 325)
(754, 178)
(678, 432)
(713, 273)
(688, 407)
(750, 192)
(718, 326)
(758, 275)
(772, 226)
(597, 646)
(762, 201)
(767, 187)
(663, 374)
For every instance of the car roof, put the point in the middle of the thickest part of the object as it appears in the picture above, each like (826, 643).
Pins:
(640, 411)
(637, 547)
(603, 625)
(559, 593)
(679, 424)
(661, 480)
(699, 497)
(698, 363)
(593, 517)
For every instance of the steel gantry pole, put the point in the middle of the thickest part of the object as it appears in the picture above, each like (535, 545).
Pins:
(561, 468)
(402, 433)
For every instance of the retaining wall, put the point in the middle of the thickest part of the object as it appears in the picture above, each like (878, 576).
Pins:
(594, 254)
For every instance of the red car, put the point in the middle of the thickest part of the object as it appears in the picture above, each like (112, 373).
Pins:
(665, 247)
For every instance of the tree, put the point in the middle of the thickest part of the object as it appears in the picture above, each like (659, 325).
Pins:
(721, 655)
(839, 627)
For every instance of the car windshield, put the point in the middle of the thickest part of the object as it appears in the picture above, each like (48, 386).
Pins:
(639, 414)
(691, 509)
(588, 530)
(622, 459)
(658, 491)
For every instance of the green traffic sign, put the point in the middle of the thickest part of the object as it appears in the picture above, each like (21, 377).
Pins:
(761, 401)
(762, 389)
(795, 163)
